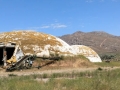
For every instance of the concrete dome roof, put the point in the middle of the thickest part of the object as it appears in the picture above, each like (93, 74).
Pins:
(44, 45)
(41, 43)
(87, 52)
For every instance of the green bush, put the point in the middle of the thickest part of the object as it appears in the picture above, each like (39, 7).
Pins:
(107, 57)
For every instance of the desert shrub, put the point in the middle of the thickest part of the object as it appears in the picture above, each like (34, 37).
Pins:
(99, 69)
(107, 57)
(53, 56)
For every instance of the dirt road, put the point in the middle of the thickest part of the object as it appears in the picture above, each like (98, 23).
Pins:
(41, 71)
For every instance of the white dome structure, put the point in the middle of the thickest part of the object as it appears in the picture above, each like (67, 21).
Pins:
(39, 43)
(44, 45)
(87, 52)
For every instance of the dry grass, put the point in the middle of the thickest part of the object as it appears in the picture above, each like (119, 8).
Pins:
(29, 39)
(67, 62)
(97, 80)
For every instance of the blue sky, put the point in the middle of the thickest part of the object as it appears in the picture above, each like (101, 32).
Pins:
(60, 17)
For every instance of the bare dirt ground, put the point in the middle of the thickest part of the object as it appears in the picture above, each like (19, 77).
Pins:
(48, 67)
(33, 71)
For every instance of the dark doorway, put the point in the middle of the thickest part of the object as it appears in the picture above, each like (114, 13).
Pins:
(1, 55)
(10, 51)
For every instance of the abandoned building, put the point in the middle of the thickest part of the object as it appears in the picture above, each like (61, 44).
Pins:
(11, 51)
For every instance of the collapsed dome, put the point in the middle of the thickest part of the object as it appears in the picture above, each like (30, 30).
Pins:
(35, 42)
(10, 51)
(6, 49)
(87, 52)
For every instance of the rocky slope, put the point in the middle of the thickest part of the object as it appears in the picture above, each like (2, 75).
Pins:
(101, 42)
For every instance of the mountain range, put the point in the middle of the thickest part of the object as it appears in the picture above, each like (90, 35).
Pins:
(99, 41)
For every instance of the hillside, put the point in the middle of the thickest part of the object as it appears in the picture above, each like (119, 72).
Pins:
(101, 42)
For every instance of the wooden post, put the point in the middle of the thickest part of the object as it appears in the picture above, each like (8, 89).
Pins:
(4, 58)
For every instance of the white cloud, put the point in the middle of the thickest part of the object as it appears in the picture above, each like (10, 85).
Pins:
(56, 25)
(45, 27)
(34, 28)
